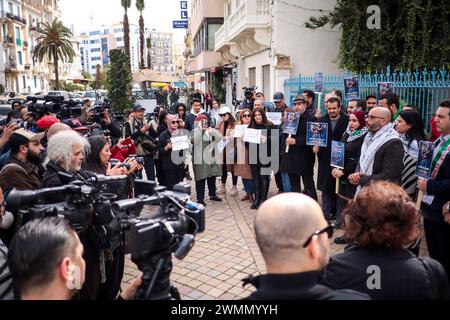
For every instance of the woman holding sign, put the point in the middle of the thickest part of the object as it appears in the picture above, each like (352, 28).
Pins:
(353, 139)
(241, 167)
(173, 172)
(410, 128)
(206, 160)
(225, 128)
(261, 178)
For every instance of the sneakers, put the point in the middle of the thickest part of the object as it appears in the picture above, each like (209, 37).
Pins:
(234, 191)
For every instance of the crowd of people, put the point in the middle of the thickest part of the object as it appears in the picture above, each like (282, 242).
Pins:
(374, 205)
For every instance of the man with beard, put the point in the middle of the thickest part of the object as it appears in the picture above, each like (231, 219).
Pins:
(21, 171)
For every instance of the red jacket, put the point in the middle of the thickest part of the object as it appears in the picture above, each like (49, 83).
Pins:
(122, 154)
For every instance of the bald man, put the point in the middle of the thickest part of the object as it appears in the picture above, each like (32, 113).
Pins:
(382, 151)
(293, 237)
(56, 128)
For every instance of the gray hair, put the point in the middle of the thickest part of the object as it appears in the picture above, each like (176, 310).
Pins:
(60, 147)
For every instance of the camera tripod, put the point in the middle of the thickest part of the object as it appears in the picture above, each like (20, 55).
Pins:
(156, 284)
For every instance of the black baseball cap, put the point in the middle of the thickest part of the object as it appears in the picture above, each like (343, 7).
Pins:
(278, 96)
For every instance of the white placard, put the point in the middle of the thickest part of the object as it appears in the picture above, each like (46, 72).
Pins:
(274, 117)
(252, 136)
(179, 143)
(239, 131)
(222, 144)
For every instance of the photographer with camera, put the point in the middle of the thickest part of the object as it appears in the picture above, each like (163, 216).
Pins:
(84, 114)
(6, 287)
(145, 138)
(249, 98)
(99, 115)
(46, 262)
(65, 154)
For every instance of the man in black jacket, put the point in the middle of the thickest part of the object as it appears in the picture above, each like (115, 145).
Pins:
(382, 151)
(196, 110)
(437, 192)
(299, 161)
(293, 237)
(145, 138)
(337, 125)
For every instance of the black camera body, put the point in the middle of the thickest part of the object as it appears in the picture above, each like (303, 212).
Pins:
(114, 162)
(40, 107)
(70, 109)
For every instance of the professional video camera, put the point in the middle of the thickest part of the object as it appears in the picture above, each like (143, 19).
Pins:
(248, 97)
(170, 227)
(70, 109)
(85, 202)
(39, 107)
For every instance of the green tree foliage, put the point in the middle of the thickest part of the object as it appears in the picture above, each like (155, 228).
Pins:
(54, 42)
(140, 6)
(414, 34)
(119, 80)
(126, 4)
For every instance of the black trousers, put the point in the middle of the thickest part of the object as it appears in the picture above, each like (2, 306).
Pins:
(160, 173)
(173, 176)
(279, 181)
(308, 181)
(438, 242)
(225, 176)
(261, 184)
(200, 188)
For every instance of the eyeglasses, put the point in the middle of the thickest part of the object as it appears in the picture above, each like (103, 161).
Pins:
(176, 122)
(374, 117)
(328, 229)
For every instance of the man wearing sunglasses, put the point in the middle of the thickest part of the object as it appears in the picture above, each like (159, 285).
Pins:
(293, 237)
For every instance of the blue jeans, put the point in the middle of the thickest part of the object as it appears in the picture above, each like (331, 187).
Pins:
(286, 182)
(248, 186)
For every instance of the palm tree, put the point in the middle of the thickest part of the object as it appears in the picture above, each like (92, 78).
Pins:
(126, 4)
(149, 52)
(140, 5)
(55, 43)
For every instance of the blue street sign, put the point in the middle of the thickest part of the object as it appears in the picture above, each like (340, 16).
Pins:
(180, 24)
(183, 5)
(184, 14)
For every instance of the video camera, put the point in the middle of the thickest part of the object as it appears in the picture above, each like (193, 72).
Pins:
(39, 107)
(249, 94)
(85, 202)
(70, 109)
(169, 227)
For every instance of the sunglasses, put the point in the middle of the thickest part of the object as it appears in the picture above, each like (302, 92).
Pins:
(328, 229)
(223, 115)
(176, 122)
(246, 116)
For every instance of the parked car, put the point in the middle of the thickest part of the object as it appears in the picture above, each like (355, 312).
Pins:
(64, 94)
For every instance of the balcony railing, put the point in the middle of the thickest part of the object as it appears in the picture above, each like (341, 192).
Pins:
(10, 66)
(220, 37)
(250, 14)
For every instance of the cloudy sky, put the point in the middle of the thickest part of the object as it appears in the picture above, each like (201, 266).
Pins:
(158, 14)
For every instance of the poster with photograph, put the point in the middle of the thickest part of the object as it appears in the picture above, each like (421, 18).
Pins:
(318, 82)
(337, 154)
(351, 88)
(291, 124)
(383, 88)
(317, 134)
(425, 160)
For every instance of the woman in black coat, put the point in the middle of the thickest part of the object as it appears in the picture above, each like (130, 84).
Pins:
(174, 173)
(353, 139)
(261, 179)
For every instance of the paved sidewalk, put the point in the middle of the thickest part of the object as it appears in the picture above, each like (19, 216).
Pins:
(224, 254)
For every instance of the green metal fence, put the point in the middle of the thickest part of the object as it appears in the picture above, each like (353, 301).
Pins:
(424, 89)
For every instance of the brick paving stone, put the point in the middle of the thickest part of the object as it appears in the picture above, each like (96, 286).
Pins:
(224, 254)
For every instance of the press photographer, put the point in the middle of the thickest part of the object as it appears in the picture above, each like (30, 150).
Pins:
(100, 115)
(249, 98)
(145, 138)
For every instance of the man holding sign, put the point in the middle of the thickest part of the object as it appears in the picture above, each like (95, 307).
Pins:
(437, 192)
(337, 125)
(298, 161)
